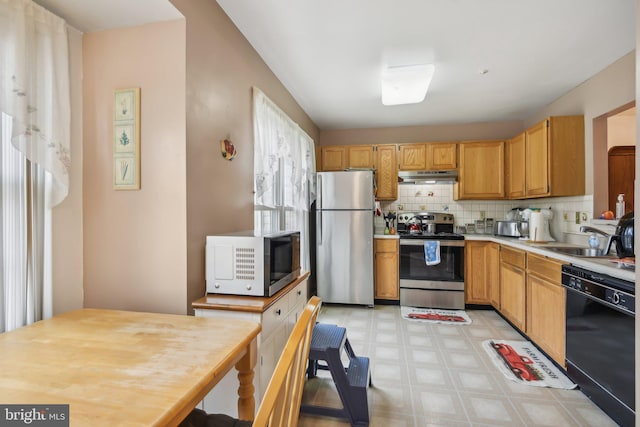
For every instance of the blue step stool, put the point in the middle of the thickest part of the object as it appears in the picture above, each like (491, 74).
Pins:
(352, 381)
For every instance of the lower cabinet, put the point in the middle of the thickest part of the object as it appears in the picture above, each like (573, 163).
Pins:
(386, 269)
(513, 284)
(278, 317)
(481, 273)
(546, 308)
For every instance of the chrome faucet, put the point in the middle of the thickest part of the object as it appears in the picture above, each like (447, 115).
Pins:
(610, 237)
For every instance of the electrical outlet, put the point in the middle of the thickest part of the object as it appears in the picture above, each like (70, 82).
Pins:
(577, 217)
(400, 207)
(483, 214)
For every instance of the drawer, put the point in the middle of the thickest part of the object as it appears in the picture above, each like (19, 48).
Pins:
(513, 256)
(298, 296)
(274, 317)
(544, 267)
(386, 245)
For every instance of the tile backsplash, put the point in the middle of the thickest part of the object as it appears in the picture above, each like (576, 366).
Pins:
(569, 213)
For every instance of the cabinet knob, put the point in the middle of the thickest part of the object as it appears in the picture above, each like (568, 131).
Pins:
(299, 292)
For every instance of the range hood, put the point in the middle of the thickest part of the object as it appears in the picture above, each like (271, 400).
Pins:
(427, 177)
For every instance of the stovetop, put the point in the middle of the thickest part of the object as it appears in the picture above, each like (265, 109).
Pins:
(430, 236)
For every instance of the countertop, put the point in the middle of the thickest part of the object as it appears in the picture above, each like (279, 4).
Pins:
(386, 236)
(599, 265)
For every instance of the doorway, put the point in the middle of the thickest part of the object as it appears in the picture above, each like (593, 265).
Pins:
(622, 174)
(613, 129)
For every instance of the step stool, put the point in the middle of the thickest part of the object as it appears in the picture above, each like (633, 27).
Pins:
(327, 344)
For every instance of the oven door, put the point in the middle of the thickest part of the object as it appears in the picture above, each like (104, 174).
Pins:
(600, 349)
(414, 268)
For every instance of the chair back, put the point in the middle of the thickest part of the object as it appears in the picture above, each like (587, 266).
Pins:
(280, 406)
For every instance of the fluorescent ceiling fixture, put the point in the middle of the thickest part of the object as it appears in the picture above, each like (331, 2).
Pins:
(406, 84)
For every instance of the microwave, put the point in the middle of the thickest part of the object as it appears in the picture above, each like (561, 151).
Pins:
(244, 263)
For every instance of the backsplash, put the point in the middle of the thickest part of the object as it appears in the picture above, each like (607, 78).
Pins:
(568, 212)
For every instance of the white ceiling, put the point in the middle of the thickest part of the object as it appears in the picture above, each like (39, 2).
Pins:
(329, 54)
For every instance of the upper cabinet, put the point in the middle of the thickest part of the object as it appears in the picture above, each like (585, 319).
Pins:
(429, 156)
(550, 154)
(360, 156)
(386, 164)
(442, 155)
(413, 157)
(480, 170)
(514, 174)
(333, 158)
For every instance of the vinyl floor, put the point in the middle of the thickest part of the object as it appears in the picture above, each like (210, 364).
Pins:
(427, 374)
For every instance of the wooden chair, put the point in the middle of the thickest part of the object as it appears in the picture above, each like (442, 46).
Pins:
(280, 406)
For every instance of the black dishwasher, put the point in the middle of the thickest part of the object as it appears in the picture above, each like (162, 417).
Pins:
(600, 335)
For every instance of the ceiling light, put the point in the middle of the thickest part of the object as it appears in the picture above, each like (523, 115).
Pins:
(406, 84)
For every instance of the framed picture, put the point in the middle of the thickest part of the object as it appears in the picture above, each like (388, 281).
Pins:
(126, 139)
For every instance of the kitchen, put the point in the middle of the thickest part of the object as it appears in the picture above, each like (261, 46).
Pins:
(81, 276)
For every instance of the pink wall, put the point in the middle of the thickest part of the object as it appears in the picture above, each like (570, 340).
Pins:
(135, 241)
(222, 67)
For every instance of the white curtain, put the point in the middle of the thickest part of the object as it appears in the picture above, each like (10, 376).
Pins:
(34, 87)
(284, 153)
(35, 157)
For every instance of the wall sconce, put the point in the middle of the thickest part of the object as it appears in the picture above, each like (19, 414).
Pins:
(227, 149)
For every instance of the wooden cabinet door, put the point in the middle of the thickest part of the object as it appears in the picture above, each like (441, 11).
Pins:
(513, 283)
(386, 165)
(333, 158)
(476, 272)
(442, 155)
(514, 170)
(386, 269)
(413, 157)
(537, 160)
(360, 156)
(480, 170)
(493, 260)
(546, 316)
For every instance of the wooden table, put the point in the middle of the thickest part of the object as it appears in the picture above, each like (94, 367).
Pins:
(117, 368)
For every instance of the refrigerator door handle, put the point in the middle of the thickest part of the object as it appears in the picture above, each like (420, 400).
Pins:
(319, 227)
(319, 191)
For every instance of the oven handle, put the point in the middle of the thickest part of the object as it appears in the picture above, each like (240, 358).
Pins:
(420, 242)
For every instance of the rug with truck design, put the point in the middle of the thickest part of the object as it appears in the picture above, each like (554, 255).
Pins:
(522, 362)
(435, 315)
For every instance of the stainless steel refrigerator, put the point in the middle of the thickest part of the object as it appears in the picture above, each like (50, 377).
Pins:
(344, 237)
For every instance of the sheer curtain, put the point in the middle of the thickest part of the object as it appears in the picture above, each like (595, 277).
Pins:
(35, 157)
(284, 171)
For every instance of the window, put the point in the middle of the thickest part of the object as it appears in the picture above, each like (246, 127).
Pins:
(284, 170)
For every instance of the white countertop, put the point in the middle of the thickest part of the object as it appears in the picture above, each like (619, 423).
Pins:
(599, 265)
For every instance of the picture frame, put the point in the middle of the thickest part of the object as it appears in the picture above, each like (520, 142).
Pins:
(126, 139)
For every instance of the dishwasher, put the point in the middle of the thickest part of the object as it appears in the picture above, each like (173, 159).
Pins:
(600, 340)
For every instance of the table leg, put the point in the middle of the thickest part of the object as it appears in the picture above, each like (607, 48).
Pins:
(245, 367)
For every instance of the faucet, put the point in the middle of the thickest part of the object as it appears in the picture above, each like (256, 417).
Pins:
(610, 237)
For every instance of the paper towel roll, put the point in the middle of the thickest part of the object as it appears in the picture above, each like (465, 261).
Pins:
(536, 227)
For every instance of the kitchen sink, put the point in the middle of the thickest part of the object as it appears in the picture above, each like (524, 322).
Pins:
(580, 252)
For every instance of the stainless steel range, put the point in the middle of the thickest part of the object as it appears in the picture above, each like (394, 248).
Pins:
(434, 284)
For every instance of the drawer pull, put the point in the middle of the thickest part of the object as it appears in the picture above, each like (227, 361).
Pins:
(299, 292)
(278, 312)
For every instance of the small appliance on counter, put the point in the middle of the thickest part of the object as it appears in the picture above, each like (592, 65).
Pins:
(538, 224)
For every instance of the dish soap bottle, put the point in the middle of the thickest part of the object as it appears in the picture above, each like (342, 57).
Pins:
(594, 243)
(620, 206)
